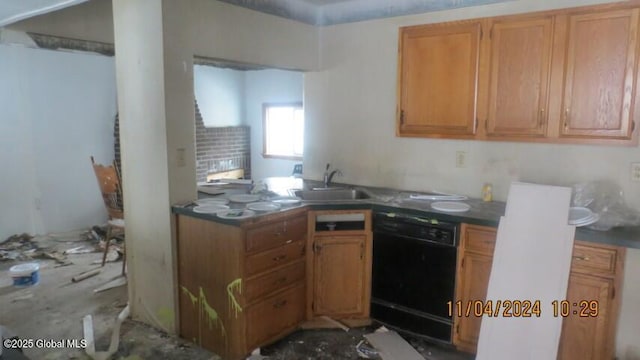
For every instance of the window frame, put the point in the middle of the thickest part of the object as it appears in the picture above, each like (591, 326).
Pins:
(265, 107)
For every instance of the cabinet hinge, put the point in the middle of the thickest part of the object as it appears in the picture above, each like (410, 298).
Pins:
(401, 117)
(361, 251)
(462, 263)
(613, 292)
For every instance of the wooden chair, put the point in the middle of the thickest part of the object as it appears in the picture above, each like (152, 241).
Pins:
(109, 182)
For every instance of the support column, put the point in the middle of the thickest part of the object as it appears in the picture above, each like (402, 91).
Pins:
(154, 73)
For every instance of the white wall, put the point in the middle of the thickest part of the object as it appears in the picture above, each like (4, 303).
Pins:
(350, 119)
(58, 109)
(220, 95)
(269, 86)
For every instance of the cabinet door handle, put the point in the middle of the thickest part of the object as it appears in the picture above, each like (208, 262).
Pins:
(541, 117)
(280, 304)
(566, 118)
(581, 258)
(288, 241)
(279, 258)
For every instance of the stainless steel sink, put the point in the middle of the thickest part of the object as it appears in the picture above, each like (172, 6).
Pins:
(331, 194)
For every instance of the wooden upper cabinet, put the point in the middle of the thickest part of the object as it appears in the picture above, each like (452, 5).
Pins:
(437, 80)
(520, 60)
(599, 78)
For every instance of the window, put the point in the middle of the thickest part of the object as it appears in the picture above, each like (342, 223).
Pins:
(283, 127)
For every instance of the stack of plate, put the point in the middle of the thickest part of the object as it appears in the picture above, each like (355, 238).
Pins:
(210, 208)
(582, 216)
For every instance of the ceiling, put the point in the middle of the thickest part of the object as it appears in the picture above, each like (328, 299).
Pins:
(15, 10)
(314, 12)
(331, 12)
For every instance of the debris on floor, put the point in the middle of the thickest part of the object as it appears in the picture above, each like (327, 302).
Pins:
(87, 324)
(18, 247)
(117, 282)
(86, 274)
(365, 351)
(255, 355)
(391, 346)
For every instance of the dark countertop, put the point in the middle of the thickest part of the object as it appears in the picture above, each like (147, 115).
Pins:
(392, 200)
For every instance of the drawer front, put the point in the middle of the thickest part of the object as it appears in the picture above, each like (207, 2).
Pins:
(272, 258)
(480, 239)
(277, 314)
(593, 260)
(275, 234)
(266, 284)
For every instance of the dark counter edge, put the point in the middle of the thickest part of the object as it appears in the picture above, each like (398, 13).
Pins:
(623, 236)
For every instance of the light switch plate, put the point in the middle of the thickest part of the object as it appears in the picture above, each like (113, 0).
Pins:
(461, 159)
(635, 171)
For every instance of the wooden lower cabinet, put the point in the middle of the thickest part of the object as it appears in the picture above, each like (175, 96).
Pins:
(339, 269)
(596, 276)
(241, 286)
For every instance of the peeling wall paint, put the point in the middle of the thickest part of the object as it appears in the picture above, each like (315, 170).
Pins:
(341, 12)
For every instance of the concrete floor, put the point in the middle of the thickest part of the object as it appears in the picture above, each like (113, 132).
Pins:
(54, 309)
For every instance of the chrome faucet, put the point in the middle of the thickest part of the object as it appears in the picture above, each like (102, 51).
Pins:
(328, 176)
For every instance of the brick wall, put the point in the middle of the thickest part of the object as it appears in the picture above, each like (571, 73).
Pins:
(217, 148)
(221, 148)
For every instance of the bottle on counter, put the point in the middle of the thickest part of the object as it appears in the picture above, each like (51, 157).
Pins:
(487, 192)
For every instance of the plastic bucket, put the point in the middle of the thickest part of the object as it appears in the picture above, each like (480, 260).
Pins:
(25, 274)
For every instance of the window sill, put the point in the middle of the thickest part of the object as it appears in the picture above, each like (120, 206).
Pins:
(282, 157)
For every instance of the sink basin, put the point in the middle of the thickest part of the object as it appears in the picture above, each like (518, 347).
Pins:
(331, 195)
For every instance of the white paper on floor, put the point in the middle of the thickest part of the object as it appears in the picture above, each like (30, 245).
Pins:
(531, 262)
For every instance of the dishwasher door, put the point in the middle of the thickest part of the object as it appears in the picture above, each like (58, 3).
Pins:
(412, 281)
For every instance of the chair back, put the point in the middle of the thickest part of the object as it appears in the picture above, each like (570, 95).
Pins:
(109, 182)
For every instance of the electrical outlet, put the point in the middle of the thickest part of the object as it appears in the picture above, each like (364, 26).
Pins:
(635, 171)
(461, 159)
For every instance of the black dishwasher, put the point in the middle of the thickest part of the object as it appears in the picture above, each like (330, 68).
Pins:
(414, 266)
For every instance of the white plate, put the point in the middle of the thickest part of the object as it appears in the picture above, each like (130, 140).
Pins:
(579, 214)
(587, 221)
(210, 208)
(207, 201)
(235, 214)
(244, 198)
(450, 206)
(450, 197)
(287, 200)
(263, 206)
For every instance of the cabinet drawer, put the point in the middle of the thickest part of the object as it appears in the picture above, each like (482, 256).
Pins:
(275, 234)
(274, 280)
(277, 314)
(480, 239)
(275, 257)
(593, 260)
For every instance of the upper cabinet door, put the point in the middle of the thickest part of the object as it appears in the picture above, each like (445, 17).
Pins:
(437, 74)
(519, 76)
(599, 77)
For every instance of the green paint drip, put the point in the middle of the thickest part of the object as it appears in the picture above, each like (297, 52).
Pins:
(212, 315)
(193, 298)
(233, 303)
(166, 317)
(205, 309)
